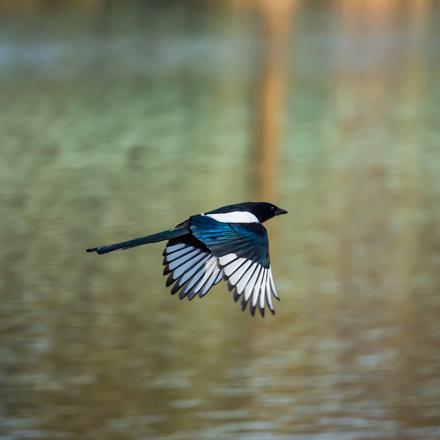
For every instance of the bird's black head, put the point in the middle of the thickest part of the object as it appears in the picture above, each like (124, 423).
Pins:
(265, 211)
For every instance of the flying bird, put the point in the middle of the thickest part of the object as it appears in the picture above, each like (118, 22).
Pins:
(227, 243)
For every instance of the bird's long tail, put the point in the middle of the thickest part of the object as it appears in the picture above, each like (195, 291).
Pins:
(154, 238)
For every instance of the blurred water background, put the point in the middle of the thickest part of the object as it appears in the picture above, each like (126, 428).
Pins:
(122, 118)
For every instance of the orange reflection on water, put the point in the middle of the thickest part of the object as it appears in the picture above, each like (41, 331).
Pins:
(276, 19)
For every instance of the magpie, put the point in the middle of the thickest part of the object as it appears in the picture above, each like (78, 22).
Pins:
(227, 243)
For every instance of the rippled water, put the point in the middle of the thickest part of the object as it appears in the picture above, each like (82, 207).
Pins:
(121, 121)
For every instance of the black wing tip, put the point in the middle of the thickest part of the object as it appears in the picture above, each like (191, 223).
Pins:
(192, 294)
(252, 309)
(262, 311)
(92, 250)
(230, 286)
(175, 289)
(170, 280)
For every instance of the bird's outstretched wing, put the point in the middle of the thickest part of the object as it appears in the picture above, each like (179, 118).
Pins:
(242, 250)
(190, 266)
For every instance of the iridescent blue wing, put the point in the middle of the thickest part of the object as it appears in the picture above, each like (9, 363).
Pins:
(242, 250)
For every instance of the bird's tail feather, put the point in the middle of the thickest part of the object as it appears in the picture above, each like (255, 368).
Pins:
(154, 238)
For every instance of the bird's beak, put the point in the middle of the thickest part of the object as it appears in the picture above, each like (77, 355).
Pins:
(280, 211)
